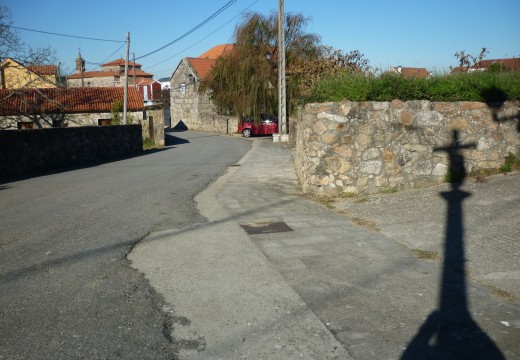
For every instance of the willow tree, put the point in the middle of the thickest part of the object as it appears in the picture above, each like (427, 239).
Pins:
(244, 82)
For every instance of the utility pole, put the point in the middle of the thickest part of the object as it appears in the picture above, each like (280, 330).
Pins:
(125, 101)
(282, 116)
(133, 68)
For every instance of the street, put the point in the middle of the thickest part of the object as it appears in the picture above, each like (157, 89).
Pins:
(67, 290)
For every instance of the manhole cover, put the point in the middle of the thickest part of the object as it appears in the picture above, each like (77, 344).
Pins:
(266, 228)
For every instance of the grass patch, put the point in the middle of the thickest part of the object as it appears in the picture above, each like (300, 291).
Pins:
(426, 255)
(369, 224)
(503, 294)
(389, 190)
(481, 174)
(149, 144)
(511, 163)
(361, 199)
(322, 199)
(346, 194)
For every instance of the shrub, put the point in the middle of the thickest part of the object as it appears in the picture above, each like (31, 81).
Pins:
(488, 86)
(511, 163)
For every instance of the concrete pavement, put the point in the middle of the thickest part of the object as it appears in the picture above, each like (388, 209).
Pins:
(276, 275)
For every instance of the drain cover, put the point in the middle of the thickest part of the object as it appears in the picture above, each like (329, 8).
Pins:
(266, 228)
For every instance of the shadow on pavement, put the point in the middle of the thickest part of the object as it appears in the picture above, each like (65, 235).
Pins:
(450, 332)
(7, 178)
(171, 140)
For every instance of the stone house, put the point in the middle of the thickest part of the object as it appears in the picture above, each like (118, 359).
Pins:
(65, 107)
(111, 74)
(15, 75)
(186, 104)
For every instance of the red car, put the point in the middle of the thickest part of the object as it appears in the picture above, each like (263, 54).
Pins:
(266, 126)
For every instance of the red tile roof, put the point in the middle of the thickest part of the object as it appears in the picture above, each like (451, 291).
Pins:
(92, 74)
(202, 66)
(43, 69)
(66, 100)
(217, 51)
(410, 72)
(121, 62)
(512, 64)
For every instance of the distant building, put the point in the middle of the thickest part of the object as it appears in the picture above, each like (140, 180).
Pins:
(411, 72)
(165, 83)
(15, 75)
(151, 92)
(111, 74)
(510, 65)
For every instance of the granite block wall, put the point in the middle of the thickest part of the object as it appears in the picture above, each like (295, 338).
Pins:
(367, 147)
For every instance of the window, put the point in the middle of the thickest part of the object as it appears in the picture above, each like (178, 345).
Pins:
(183, 88)
(104, 122)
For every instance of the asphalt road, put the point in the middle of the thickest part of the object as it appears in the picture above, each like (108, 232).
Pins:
(67, 290)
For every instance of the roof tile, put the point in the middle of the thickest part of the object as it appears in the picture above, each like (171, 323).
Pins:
(92, 74)
(217, 51)
(66, 100)
(43, 69)
(121, 62)
(202, 66)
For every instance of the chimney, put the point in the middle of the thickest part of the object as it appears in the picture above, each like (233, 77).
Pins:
(399, 69)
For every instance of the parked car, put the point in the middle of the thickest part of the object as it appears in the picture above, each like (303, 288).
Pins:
(266, 126)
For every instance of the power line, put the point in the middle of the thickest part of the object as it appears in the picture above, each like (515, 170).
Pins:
(228, 4)
(204, 38)
(65, 35)
(108, 57)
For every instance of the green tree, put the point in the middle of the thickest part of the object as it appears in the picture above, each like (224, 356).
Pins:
(243, 82)
(117, 109)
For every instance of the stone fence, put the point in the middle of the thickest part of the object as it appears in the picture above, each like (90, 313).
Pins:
(153, 126)
(213, 123)
(30, 151)
(370, 147)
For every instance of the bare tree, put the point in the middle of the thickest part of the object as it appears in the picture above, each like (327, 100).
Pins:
(468, 61)
(12, 46)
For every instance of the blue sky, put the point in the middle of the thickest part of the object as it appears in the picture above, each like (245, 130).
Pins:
(420, 33)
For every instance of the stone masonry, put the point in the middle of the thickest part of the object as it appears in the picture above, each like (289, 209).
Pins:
(370, 147)
(195, 110)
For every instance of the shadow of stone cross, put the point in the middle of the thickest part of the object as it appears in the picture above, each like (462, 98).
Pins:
(456, 170)
(450, 331)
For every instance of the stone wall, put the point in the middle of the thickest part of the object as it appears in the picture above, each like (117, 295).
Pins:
(156, 130)
(368, 147)
(30, 151)
(66, 120)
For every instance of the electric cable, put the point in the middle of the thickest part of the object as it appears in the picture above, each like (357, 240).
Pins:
(65, 35)
(204, 38)
(108, 57)
(215, 14)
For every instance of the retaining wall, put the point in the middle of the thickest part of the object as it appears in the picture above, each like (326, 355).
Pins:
(29, 151)
(368, 147)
